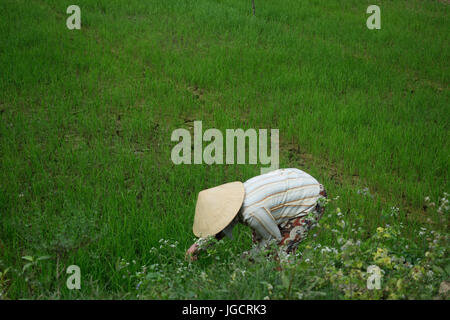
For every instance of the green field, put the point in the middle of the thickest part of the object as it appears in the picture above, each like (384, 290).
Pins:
(86, 176)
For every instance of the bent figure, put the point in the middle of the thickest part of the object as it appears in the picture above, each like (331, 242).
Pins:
(282, 205)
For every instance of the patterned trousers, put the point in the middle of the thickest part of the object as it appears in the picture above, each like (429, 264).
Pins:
(295, 230)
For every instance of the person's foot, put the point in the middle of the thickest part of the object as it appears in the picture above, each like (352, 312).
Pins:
(248, 256)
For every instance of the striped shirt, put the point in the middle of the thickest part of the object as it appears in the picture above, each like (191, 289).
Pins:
(275, 197)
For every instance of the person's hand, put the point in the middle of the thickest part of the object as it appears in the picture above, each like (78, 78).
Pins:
(191, 253)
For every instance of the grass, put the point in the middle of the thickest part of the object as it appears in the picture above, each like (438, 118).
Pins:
(86, 118)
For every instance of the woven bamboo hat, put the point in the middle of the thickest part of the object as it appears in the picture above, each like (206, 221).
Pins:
(217, 207)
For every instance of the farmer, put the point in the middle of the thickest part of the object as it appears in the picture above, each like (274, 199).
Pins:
(281, 205)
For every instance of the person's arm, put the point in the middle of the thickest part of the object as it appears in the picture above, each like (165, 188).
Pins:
(201, 244)
(265, 226)
(262, 221)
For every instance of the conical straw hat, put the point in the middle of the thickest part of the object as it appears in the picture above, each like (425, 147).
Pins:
(216, 208)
